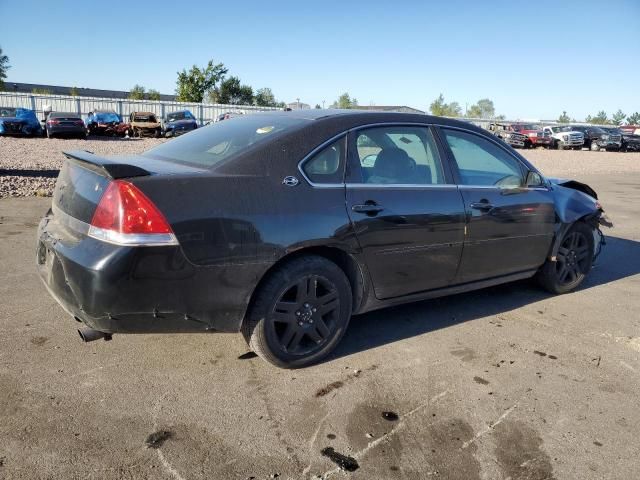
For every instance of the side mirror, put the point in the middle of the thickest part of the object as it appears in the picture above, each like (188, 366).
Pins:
(534, 179)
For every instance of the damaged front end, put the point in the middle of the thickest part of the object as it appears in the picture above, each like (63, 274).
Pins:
(577, 201)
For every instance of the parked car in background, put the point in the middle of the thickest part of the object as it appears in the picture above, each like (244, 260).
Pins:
(595, 138)
(177, 123)
(630, 142)
(536, 137)
(19, 121)
(508, 135)
(631, 129)
(65, 124)
(144, 124)
(227, 116)
(614, 134)
(106, 122)
(563, 136)
(163, 241)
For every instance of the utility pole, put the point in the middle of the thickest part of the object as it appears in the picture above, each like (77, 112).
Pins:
(298, 100)
(323, 104)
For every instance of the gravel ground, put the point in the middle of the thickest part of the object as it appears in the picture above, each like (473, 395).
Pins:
(32, 155)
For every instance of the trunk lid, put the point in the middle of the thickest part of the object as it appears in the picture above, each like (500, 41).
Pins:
(85, 176)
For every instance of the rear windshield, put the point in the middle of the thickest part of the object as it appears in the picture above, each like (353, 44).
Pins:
(144, 118)
(107, 117)
(66, 116)
(172, 117)
(7, 112)
(209, 146)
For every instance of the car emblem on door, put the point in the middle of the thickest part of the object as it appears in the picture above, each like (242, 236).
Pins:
(290, 181)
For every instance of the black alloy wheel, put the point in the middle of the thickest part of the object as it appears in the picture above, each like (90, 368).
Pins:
(306, 315)
(299, 313)
(573, 259)
(572, 263)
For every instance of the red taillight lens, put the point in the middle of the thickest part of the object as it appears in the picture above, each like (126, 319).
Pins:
(126, 216)
(53, 122)
(79, 122)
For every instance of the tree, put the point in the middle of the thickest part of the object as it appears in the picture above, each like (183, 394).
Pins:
(4, 66)
(442, 109)
(634, 119)
(137, 92)
(564, 118)
(600, 118)
(317, 107)
(232, 92)
(265, 98)
(618, 117)
(483, 109)
(153, 94)
(345, 101)
(192, 86)
(41, 91)
(73, 91)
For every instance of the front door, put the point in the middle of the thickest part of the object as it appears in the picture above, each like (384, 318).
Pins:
(510, 225)
(407, 213)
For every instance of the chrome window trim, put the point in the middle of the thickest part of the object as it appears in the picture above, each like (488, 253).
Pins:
(402, 185)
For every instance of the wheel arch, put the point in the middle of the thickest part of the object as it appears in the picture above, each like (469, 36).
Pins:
(345, 261)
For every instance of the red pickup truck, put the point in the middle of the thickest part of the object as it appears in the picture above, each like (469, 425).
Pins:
(535, 136)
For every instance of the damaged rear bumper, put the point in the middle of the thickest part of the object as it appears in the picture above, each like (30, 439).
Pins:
(116, 289)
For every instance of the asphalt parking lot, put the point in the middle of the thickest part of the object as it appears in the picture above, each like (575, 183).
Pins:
(507, 382)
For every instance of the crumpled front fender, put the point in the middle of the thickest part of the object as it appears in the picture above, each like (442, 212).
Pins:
(574, 201)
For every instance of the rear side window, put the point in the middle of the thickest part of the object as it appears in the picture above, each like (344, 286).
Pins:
(398, 155)
(482, 162)
(327, 165)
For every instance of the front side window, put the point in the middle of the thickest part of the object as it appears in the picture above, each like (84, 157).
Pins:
(482, 162)
(398, 155)
(327, 165)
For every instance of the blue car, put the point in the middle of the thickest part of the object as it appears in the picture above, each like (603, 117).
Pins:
(19, 121)
(179, 122)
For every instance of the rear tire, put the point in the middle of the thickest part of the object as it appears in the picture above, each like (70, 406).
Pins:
(300, 313)
(573, 261)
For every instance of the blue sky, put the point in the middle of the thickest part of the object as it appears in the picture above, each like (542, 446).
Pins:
(532, 58)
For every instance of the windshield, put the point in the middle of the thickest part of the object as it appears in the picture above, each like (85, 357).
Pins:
(172, 117)
(107, 117)
(560, 129)
(144, 118)
(209, 146)
(8, 112)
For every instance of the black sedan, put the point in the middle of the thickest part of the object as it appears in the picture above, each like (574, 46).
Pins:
(179, 122)
(61, 124)
(282, 225)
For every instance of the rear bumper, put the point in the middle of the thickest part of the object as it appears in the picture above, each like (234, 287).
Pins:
(117, 289)
(67, 130)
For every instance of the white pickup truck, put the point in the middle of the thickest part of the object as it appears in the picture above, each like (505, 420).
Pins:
(565, 137)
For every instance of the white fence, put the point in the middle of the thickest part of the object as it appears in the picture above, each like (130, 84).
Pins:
(204, 112)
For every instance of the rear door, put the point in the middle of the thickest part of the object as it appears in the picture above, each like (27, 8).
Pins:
(510, 224)
(406, 211)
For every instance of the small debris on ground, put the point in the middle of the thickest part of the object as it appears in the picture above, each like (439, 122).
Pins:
(344, 462)
(391, 416)
(156, 439)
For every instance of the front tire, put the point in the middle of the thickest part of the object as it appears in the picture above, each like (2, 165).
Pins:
(299, 313)
(594, 147)
(573, 261)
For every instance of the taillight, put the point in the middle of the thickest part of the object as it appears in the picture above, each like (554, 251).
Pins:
(79, 122)
(126, 216)
(53, 122)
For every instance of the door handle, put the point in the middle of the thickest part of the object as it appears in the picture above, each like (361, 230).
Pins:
(368, 208)
(481, 205)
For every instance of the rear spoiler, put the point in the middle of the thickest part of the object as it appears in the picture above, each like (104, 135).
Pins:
(105, 166)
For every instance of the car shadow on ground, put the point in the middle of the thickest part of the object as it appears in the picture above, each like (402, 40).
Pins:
(619, 259)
